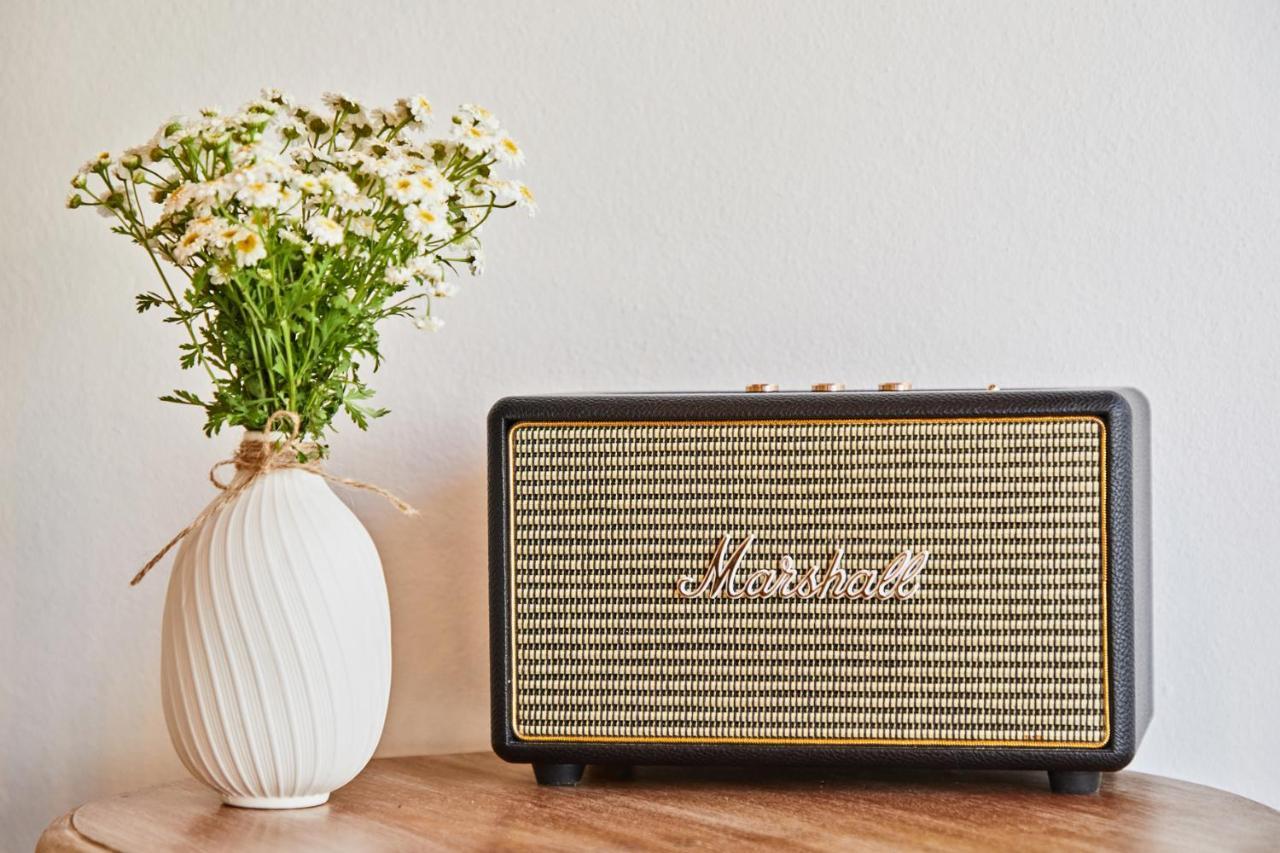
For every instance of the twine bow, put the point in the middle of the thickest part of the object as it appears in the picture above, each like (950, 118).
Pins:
(258, 457)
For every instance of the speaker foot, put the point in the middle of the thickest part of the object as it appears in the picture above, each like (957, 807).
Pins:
(558, 774)
(1074, 781)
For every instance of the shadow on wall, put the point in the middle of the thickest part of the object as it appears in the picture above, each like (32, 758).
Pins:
(437, 578)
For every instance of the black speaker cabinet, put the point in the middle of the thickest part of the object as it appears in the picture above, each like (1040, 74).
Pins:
(905, 578)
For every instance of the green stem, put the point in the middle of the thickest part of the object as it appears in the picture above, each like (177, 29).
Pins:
(141, 236)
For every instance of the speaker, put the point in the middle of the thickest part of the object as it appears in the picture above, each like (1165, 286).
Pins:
(899, 578)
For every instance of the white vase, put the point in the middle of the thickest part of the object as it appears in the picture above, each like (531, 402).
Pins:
(276, 649)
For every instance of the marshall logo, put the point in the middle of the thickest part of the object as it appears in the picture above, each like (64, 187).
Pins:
(723, 577)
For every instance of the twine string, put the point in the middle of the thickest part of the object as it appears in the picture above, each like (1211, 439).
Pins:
(255, 457)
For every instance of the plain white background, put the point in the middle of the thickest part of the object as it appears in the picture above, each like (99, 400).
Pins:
(1035, 194)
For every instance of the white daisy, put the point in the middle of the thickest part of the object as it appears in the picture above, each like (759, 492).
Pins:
(397, 275)
(249, 248)
(276, 96)
(420, 108)
(524, 197)
(360, 123)
(324, 231)
(480, 115)
(398, 114)
(178, 200)
(132, 157)
(288, 198)
(309, 184)
(362, 226)
(192, 241)
(425, 268)
(267, 166)
(259, 193)
(110, 202)
(305, 153)
(507, 150)
(339, 184)
(100, 162)
(474, 137)
(339, 101)
(444, 289)
(208, 225)
(434, 185)
(505, 192)
(221, 233)
(386, 167)
(429, 323)
(209, 193)
(430, 222)
(319, 125)
(358, 203)
(405, 189)
(166, 133)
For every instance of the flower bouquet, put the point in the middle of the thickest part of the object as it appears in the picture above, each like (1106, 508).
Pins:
(282, 236)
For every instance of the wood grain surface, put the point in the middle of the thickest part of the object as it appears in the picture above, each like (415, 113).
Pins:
(476, 802)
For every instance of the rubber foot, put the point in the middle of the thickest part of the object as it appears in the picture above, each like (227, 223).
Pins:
(558, 774)
(1074, 781)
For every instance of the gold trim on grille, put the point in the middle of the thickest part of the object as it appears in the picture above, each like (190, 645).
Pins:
(1029, 743)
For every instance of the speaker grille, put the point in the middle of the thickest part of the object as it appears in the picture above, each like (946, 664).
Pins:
(1003, 644)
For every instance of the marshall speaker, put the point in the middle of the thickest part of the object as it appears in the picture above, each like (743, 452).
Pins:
(896, 577)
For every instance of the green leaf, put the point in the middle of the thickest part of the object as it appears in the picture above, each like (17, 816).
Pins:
(147, 301)
(185, 398)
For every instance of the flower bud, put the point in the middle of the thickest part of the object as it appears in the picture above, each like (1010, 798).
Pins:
(74, 200)
(78, 181)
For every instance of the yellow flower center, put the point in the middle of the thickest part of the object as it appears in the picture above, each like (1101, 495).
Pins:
(247, 244)
(510, 145)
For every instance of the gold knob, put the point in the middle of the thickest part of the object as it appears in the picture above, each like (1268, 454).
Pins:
(895, 386)
(761, 387)
(828, 386)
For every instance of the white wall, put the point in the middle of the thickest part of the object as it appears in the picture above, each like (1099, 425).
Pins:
(1030, 193)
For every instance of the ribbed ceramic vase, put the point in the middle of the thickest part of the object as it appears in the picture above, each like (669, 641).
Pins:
(276, 649)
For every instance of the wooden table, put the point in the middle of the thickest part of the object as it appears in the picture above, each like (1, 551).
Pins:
(476, 802)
